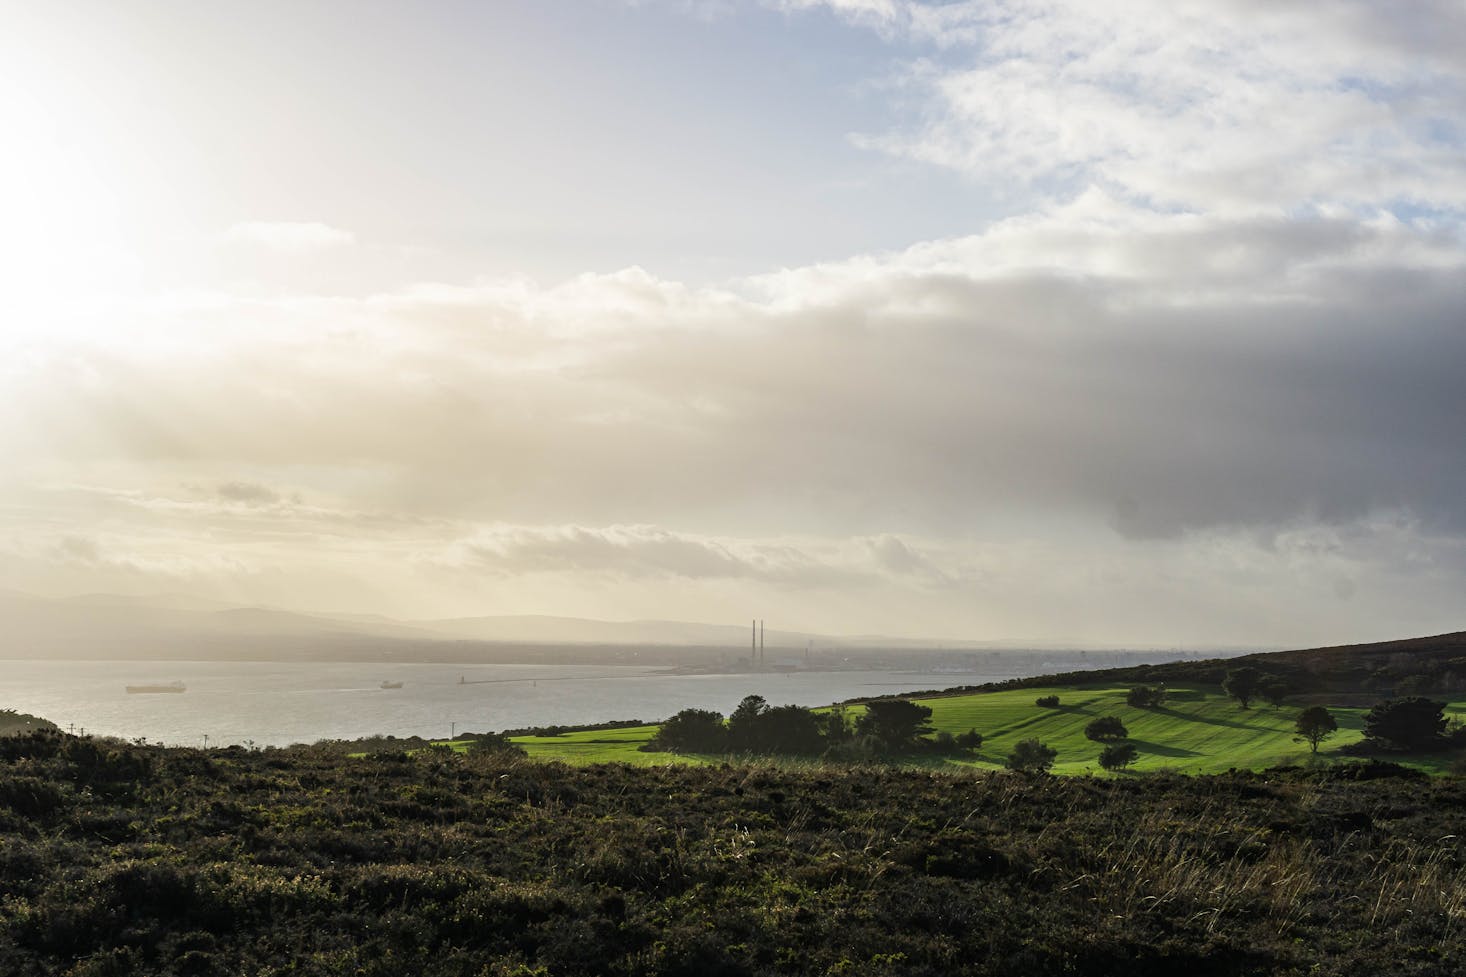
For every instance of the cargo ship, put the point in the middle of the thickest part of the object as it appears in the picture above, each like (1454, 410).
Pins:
(391, 685)
(147, 689)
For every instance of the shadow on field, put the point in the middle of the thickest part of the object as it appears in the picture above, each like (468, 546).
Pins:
(1184, 695)
(1209, 720)
(1160, 749)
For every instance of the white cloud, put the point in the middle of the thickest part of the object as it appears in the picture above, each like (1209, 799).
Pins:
(1227, 105)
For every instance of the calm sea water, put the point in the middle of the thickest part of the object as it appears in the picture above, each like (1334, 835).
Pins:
(273, 703)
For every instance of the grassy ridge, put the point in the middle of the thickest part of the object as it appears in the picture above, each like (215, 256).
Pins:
(1197, 730)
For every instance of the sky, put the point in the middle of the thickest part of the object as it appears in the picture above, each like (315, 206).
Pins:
(1031, 320)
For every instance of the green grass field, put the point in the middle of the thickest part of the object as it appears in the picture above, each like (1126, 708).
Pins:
(596, 746)
(1195, 731)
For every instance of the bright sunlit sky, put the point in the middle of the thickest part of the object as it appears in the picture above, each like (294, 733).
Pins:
(1129, 322)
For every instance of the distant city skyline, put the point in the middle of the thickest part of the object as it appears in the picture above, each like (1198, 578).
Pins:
(1137, 322)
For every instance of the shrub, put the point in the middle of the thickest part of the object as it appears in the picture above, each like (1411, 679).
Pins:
(1411, 724)
(970, 740)
(691, 731)
(1118, 756)
(1047, 702)
(498, 743)
(1106, 728)
(1145, 696)
(1031, 756)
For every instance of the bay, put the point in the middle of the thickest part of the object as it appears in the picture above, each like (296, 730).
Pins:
(276, 704)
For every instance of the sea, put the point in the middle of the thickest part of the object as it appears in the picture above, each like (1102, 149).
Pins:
(280, 703)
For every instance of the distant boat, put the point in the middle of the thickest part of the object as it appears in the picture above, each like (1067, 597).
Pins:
(149, 689)
(391, 685)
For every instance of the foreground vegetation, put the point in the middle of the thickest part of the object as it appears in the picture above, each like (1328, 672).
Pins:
(121, 859)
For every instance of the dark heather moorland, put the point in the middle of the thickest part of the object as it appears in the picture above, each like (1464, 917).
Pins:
(130, 859)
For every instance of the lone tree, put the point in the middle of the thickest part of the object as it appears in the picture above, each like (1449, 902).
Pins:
(1242, 684)
(1410, 725)
(1031, 756)
(1273, 690)
(1106, 728)
(894, 723)
(1314, 725)
(1118, 756)
(1146, 696)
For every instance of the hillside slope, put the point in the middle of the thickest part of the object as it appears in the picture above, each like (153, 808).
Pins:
(1435, 664)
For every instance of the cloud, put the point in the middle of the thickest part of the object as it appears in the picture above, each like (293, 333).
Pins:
(1212, 356)
(124, 558)
(249, 493)
(1226, 105)
(646, 552)
(289, 237)
(900, 559)
(1159, 373)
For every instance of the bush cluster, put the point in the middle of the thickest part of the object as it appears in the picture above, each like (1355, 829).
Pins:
(888, 727)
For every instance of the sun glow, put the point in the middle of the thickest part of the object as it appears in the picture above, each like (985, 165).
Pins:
(68, 236)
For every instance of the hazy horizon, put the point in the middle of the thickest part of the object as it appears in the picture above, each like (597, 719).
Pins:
(1135, 323)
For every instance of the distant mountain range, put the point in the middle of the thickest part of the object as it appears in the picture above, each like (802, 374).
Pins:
(109, 626)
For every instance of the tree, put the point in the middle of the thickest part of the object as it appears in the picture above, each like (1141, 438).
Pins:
(1314, 725)
(692, 731)
(756, 727)
(791, 729)
(1106, 728)
(1047, 702)
(1273, 690)
(1031, 756)
(894, 723)
(1241, 684)
(836, 726)
(745, 731)
(1412, 724)
(1118, 756)
(1146, 696)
